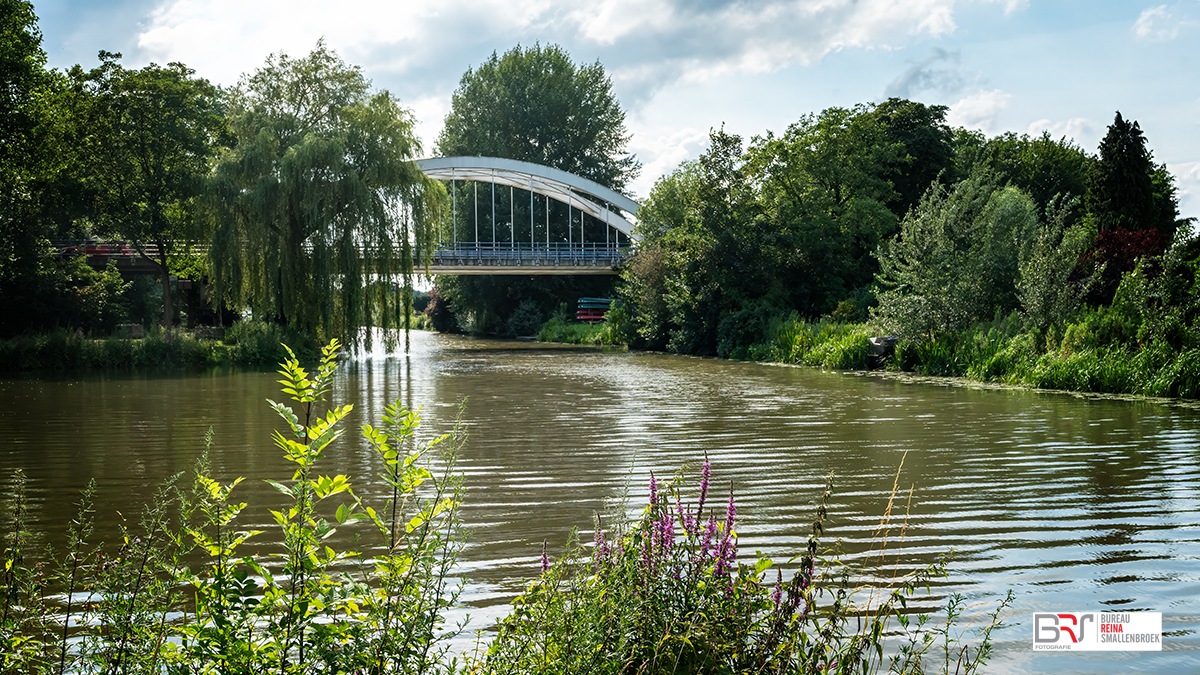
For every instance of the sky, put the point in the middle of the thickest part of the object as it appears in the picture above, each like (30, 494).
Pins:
(683, 67)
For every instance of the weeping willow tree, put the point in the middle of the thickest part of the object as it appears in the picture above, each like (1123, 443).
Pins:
(320, 209)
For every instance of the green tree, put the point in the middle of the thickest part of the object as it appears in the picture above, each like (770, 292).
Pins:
(151, 135)
(921, 141)
(955, 260)
(1121, 189)
(1048, 293)
(320, 196)
(23, 251)
(826, 187)
(536, 105)
(39, 169)
(23, 74)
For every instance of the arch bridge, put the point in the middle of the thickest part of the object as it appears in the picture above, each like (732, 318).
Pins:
(504, 243)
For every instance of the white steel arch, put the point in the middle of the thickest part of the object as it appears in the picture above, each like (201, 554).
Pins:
(581, 193)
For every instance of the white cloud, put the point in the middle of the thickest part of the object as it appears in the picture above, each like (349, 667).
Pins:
(1156, 25)
(660, 154)
(1083, 131)
(1011, 6)
(221, 39)
(1187, 179)
(647, 43)
(979, 111)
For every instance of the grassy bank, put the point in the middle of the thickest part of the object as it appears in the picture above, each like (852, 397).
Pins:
(1101, 352)
(1094, 354)
(569, 332)
(245, 343)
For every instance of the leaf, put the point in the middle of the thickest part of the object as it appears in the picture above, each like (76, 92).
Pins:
(278, 486)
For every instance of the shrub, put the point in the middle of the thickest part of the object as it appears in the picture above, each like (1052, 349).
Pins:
(666, 593)
(257, 342)
(526, 319)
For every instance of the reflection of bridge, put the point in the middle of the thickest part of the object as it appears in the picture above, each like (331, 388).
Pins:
(553, 246)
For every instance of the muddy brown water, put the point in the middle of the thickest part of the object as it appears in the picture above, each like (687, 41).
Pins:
(1074, 503)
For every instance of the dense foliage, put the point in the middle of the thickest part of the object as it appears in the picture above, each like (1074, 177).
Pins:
(790, 223)
(1020, 253)
(299, 183)
(149, 137)
(319, 197)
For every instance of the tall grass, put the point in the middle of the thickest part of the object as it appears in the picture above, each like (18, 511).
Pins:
(1095, 354)
(251, 343)
(560, 330)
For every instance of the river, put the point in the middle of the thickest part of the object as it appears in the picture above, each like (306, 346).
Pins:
(1074, 503)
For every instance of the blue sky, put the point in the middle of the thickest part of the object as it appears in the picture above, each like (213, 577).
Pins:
(681, 67)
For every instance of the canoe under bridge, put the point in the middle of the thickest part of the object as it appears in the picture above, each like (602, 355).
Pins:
(548, 221)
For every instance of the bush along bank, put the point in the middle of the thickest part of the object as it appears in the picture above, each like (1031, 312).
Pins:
(245, 343)
(661, 591)
(250, 343)
(1108, 349)
(1099, 352)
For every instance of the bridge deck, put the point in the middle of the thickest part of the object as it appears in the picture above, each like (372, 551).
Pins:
(524, 258)
(521, 258)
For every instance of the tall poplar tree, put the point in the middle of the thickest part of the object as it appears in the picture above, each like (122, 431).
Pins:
(320, 204)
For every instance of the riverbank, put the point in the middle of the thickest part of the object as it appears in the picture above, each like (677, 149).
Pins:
(1094, 355)
(245, 343)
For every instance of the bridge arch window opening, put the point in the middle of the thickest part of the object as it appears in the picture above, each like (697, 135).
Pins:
(552, 235)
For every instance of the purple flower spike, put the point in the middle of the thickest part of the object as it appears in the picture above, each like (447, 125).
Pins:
(709, 533)
(777, 594)
(545, 558)
(705, 474)
(683, 519)
(653, 490)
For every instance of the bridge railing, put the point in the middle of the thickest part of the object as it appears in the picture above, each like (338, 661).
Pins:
(597, 254)
(519, 253)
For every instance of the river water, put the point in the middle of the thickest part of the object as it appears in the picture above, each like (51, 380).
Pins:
(1074, 503)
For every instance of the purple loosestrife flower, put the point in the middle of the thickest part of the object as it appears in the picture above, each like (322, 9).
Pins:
(705, 474)
(709, 532)
(599, 550)
(777, 594)
(653, 490)
(664, 533)
(684, 520)
(545, 558)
